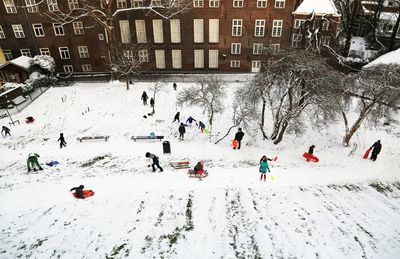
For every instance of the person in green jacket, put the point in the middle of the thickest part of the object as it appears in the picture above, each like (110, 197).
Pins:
(264, 168)
(33, 162)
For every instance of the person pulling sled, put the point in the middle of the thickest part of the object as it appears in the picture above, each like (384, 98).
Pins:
(376, 149)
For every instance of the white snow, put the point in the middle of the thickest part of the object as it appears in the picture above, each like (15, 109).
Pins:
(392, 57)
(341, 207)
(22, 61)
(319, 7)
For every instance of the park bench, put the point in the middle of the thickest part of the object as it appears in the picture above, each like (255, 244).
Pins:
(93, 138)
(180, 165)
(18, 100)
(147, 138)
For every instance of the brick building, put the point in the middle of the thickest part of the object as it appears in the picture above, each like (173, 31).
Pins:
(214, 35)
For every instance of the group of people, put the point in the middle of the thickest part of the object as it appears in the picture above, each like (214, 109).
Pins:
(145, 97)
(189, 121)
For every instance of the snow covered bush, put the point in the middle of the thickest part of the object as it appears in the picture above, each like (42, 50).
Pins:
(36, 80)
(45, 64)
(25, 87)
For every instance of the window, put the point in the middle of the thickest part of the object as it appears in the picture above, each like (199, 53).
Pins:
(125, 31)
(213, 3)
(158, 31)
(175, 25)
(257, 48)
(83, 51)
(213, 58)
(7, 54)
(86, 67)
(325, 40)
(2, 35)
(44, 51)
(52, 5)
(73, 4)
(296, 40)
(156, 2)
(238, 3)
(198, 58)
(58, 29)
(275, 48)
(121, 4)
(68, 68)
(26, 52)
(136, 3)
(143, 55)
(10, 6)
(236, 48)
(213, 31)
(64, 52)
(235, 63)
(140, 31)
(261, 3)
(325, 25)
(198, 26)
(237, 27)
(128, 54)
(255, 66)
(31, 6)
(176, 58)
(101, 36)
(38, 29)
(78, 28)
(18, 31)
(279, 3)
(298, 23)
(198, 3)
(277, 28)
(260, 28)
(160, 59)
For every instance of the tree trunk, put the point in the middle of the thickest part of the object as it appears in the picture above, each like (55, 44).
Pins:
(364, 113)
(281, 132)
(227, 133)
(346, 126)
(349, 28)
(394, 33)
(263, 132)
(127, 82)
(264, 104)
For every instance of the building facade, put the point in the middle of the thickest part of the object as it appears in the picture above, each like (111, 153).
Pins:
(213, 35)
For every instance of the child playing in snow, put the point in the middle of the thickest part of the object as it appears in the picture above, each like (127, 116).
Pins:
(190, 120)
(264, 168)
(202, 126)
(199, 168)
(33, 162)
(78, 191)
(155, 160)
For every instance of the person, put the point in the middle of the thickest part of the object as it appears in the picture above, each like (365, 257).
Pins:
(376, 149)
(199, 168)
(29, 119)
(152, 102)
(190, 120)
(78, 191)
(238, 137)
(176, 118)
(182, 131)
(202, 126)
(174, 85)
(6, 131)
(311, 150)
(62, 140)
(33, 162)
(156, 162)
(264, 168)
(265, 158)
(144, 98)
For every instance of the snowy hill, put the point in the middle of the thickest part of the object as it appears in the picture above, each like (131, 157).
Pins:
(341, 207)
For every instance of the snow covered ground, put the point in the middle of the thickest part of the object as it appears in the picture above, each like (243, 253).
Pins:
(341, 207)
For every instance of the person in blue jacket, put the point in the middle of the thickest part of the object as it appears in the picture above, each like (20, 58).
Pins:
(264, 168)
(202, 126)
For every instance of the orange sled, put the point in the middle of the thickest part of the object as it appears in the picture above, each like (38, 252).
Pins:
(86, 194)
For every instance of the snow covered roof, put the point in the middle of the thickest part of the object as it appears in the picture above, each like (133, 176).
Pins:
(387, 16)
(22, 62)
(392, 57)
(319, 7)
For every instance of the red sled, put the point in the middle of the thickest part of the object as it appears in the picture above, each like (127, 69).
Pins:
(310, 158)
(235, 144)
(86, 194)
(366, 155)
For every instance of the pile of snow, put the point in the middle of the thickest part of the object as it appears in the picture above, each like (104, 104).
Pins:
(318, 7)
(392, 57)
(23, 62)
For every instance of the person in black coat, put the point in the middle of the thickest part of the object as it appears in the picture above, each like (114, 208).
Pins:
(182, 131)
(62, 140)
(156, 162)
(174, 85)
(152, 103)
(311, 150)
(239, 136)
(377, 146)
(78, 191)
(144, 98)
(6, 131)
(176, 118)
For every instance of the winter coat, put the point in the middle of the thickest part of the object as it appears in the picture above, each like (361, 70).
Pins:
(5, 129)
(190, 119)
(154, 158)
(239, 135)
(377, 146)
(61, 139)
(311, 150)
(144, 96)
(177, 116)
(152, 102)
(182, 129)
(264, 167)
(201, 125)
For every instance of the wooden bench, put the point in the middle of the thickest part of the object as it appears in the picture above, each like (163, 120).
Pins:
(18, 100)
(147, 138)
(94, 138)
(180, 165)
(191, 174)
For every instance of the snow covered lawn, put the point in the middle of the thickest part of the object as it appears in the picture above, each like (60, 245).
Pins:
(342, 207)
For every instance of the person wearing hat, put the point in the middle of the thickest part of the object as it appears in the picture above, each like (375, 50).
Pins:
(239, 136)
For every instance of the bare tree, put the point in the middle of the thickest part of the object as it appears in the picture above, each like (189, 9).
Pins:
(157, 87)
(377, 93)
(208, 93)
(127, 63)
